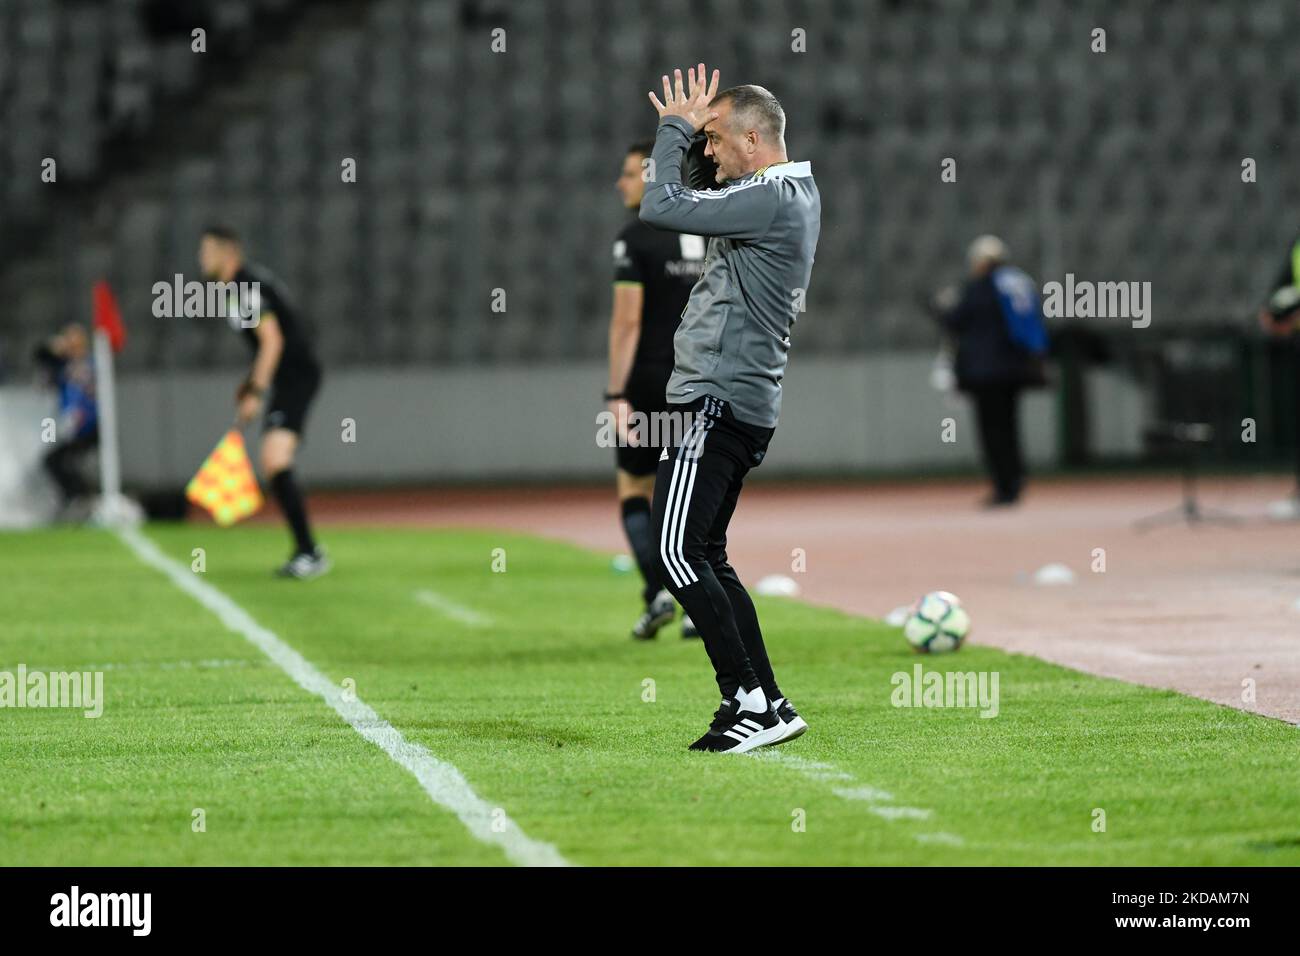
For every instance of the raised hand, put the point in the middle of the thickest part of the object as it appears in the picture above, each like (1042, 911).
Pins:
(691, 104)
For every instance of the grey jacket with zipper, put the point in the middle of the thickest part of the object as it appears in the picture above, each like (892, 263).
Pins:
(735, 330)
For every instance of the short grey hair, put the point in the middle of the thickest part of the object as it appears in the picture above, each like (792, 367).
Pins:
(756, 108)
(987, 248)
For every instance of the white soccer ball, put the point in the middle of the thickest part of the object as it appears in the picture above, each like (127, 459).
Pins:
(937, 623)
(777, 585)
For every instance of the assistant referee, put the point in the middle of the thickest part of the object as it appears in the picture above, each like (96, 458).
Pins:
(285, 366)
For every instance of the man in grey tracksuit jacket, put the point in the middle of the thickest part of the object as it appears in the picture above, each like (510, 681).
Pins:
(729, 359)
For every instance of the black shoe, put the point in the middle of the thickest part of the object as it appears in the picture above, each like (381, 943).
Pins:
(688, 627)
(792, 724)
(657, 613)
(735, 732)
(1000, 501)
(305, 564)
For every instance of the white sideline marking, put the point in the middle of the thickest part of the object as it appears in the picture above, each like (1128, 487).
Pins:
(457, 612)
(154, 665)
(811, 768)
(877, 800)
(870, 794)
(900, 813)
(440, 780)
(872, 797)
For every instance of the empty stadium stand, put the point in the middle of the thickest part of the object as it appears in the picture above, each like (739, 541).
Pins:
(482, 170)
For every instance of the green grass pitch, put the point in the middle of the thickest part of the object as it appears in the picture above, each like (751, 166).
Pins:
(543, 711)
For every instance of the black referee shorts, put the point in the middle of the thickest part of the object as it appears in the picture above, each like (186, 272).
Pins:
(291, 397)
(646, 392)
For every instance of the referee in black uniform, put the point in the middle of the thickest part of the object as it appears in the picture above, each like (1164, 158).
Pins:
(653, 275)
(285, 366)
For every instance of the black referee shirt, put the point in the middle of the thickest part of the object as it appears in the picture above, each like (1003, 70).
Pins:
(298, 360)
(666, 265)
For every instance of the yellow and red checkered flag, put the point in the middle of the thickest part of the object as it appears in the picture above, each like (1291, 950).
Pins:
(225, 484)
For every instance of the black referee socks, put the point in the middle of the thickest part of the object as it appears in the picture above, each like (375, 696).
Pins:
(640, 535)
(295, 512)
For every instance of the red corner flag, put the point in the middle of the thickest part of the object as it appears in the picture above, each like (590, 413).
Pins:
(108, 316)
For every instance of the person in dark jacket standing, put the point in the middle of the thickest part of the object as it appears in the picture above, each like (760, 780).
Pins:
(991, 365)
(66, 360)
(1279, 317)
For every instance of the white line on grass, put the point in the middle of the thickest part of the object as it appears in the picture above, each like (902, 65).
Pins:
(878, 801)
(869, 794)
(153, 665)
(824, 772)
(448, 607)
(900, 813)
(441, 780)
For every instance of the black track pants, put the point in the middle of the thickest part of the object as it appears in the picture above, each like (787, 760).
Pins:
(696, 490)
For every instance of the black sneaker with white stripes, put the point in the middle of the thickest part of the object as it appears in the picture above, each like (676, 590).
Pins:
(305, 565)
(791, 723)
(735, 731)
(657, 613)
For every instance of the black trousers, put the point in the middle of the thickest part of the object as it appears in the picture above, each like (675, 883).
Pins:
(64, 463)
(997, 411)
(696, 490)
